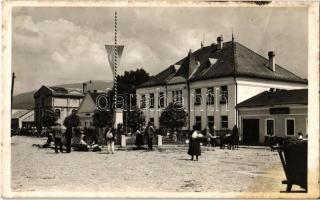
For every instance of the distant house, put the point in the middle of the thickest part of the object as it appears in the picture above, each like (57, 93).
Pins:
(91, 102)
(281, 113)
(211, 81)
(22, 118)
(61, 100)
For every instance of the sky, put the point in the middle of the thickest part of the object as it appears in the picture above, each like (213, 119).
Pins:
(58, 45)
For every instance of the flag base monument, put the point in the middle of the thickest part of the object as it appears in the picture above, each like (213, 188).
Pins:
(118, 117)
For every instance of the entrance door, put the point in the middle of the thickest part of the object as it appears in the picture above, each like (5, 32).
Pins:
(250, 131)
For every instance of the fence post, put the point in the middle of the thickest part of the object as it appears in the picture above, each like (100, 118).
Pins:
(159, 140)
(123, 141)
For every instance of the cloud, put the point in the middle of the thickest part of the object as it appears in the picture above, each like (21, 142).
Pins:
(64, 45)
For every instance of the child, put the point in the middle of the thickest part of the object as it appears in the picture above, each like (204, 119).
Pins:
(57, 137)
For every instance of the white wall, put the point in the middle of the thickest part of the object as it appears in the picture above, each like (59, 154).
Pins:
(248, 87)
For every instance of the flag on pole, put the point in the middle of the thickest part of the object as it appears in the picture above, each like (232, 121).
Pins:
(111, 51)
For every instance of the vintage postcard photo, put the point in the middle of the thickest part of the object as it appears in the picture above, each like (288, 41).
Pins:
(160, 99)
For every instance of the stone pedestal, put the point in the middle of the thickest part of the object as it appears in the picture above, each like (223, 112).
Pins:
(123, 141)
(118, 117)
(159, 140)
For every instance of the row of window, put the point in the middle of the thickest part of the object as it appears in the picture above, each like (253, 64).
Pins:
(289, 127)
(151, 100)
(210, 95)
(224, 121)
(177, 97)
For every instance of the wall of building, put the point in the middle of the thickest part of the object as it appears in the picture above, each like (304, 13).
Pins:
(249, 87)
(156, 111)
(238, 90)
(297, 112)
(217, 109)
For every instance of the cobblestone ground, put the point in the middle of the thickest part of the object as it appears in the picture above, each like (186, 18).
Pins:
(165, 170)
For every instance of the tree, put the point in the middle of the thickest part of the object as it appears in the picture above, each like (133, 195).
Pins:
(72, 120)
(103, 118)
(174, 117)
(135, 118)
(49, 118)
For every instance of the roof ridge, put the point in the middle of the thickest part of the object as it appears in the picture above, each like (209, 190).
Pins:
(235, 60)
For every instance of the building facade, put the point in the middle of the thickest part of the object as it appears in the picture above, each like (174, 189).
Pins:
(280, 113)
(90, 103)
(22, 118)
(61, 100)
(211, 81)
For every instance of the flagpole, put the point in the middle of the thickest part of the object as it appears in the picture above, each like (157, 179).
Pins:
(115, 59)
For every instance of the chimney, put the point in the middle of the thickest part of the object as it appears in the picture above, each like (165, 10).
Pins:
(84, 88)
(220, 42)
(272, 63)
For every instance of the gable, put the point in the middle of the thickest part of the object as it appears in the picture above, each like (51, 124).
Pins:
(87, 105)
(44, 90)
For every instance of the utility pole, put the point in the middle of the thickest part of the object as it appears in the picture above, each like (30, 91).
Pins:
(12, 87)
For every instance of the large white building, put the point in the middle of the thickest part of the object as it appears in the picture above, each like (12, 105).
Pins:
(230, 71)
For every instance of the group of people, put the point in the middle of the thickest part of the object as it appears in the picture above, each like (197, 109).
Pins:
(57, 134)
(145, 134)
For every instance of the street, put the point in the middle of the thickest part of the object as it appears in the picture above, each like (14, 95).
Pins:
(164, 170)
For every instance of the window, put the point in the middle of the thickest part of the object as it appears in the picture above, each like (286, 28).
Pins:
(210, 121)
(177, 96)
(197, 97)
(224, 94)
(198, 122)
(290, 126)
(210, 96)
(152, 100)
(143, 101)
(152, 121)
(269, 127)
(161, 100)
(42, 102)
(224, 121)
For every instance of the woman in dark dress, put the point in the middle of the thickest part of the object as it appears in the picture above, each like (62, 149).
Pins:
(139, 139)
(194, 144)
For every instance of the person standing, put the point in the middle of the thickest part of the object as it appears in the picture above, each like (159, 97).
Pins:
(150, 134)
(139, 139)
(194, 144)
(69, 132)
(110, 138)
(57, 137)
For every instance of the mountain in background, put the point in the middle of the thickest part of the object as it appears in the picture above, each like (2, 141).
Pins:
(26, 101)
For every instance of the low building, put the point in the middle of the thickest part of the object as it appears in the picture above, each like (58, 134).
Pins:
(90, 103)
(281, 113)
(61, 100)
(22, 118)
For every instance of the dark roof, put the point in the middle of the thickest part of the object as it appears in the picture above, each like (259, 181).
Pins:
(278, 97)
(59, 92)
(232, 60)
(159, 79)
(95, 95)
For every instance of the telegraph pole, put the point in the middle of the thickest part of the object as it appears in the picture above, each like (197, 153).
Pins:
(12, 86)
